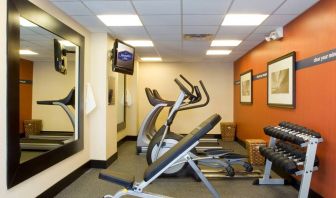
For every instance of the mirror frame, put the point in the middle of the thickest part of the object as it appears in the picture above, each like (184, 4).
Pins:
(17, 172)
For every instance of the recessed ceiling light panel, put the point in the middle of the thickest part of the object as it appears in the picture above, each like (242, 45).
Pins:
(218, 52)
(120, 20)
(244, 19)
(225, 42)
(140, 43)
(27, 52)
(25, 23)
(151, 59)
(67, 43)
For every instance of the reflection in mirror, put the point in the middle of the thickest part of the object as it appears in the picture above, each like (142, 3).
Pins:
(121, 114)
(48, 68)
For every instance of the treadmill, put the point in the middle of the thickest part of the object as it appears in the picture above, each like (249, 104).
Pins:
(51, 140)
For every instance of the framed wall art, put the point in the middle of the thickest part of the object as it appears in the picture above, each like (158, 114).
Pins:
(281, 81)
(246, 88)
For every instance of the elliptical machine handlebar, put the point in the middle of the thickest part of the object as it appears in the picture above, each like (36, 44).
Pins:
(188, 82)
(200, 105)
(185, 90)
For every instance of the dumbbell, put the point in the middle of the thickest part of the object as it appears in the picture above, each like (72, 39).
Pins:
(273, 154)
(295, 132)
(291, 136)
(278, 159)
(290, 149)
(300, 128)
(296, 155)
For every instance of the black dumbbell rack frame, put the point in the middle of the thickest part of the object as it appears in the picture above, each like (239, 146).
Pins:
(308, 165)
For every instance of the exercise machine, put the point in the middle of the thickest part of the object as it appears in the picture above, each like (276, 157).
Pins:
(286, 151)
(179, 152)
(216, 159)
(48, 141)
(148, 130)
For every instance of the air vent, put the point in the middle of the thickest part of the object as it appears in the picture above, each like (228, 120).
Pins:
(198, 37)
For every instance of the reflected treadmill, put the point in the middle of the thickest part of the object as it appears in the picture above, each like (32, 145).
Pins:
(51, 140)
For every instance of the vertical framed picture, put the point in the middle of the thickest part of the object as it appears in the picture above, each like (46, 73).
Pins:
(281, 81)
(246, 90)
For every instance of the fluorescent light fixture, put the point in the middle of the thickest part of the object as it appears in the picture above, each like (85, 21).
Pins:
(153, 59)
(225, 42)
(27, 52)
(24, 22)
(244, 19)
(218, 52)
(120, 20)
(140, 43)
(67, 43)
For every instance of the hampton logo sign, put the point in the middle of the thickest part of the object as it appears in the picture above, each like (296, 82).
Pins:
(125, 56)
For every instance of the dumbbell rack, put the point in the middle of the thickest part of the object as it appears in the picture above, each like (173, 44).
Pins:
(298, 135)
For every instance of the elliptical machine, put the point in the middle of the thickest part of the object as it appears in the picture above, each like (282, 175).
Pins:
(148, 130)
(163, 140)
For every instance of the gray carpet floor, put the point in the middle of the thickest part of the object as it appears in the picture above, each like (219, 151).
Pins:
(88, 185)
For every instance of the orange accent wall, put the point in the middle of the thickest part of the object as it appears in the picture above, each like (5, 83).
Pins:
(311, 33)
(26, 91)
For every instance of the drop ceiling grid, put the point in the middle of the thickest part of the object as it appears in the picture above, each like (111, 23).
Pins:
(167, 20)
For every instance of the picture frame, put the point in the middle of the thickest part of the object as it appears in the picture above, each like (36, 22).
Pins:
(246, 87)
(281, 81)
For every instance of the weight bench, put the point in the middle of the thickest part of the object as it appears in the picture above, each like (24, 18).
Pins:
(167, 160)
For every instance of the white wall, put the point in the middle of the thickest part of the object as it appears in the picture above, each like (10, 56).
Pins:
(217, 77)
(103, 124)
(42, 181)
(131, 109)
(51, 85)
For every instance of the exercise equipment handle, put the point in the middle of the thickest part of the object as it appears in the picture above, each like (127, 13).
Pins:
(183, 88)
(200, 105)
(188, 82)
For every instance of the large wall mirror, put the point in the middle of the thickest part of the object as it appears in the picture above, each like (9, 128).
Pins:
(44, 91)
(121, 112)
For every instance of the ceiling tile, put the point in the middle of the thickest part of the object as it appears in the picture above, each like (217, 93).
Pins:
(26, 31)
(161, 20)
(229, 30)
(256, 37)
(202, 19)
(164, 30)
(146, 50)
(200, 29)
(168, 44)
(246, 45)
(91, 21)
(72, 8)
(110, 7)
(97, 28)
(166, 37)
(255, 6)
(265, 29)
(129, 33)
(195, 46)
(128, 30)
(278, 20)
(158, 7)
(64, 0)
(295, 7)
(232, 36)
(219, 7)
